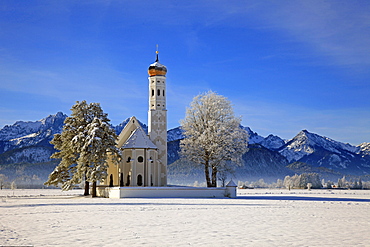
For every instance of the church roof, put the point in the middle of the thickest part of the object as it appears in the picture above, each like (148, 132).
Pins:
(139, 139)
(157, 69)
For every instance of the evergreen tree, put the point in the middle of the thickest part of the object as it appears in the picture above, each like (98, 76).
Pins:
(85, 144)
(212, 135)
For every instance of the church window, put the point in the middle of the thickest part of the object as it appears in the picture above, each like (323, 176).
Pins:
(140, 159)
(139, 180)
(152, 92)
(121, 183)
(159, 92)
(128, 180)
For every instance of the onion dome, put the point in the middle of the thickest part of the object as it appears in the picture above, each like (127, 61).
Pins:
(157, 69)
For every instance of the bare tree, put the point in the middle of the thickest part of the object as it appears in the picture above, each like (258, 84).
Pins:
(213, 135)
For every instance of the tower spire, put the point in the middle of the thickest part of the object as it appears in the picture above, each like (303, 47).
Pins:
(156, 52)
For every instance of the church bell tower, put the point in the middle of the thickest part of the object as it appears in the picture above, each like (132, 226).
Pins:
(157, 114)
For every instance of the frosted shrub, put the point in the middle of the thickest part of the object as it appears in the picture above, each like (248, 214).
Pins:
(13, 185)
(301, 181)
(259, 184)
(240, 184)
(351, 183)
(278, 185)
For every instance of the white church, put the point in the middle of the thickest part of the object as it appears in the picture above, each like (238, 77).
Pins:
(142, 171)
(144, 156)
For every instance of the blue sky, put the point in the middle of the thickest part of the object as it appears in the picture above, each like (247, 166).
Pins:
(285, 65)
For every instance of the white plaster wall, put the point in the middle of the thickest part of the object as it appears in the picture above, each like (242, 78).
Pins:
(173, 192)
(166, 192)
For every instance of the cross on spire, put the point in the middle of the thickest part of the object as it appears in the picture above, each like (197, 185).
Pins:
(156, 52)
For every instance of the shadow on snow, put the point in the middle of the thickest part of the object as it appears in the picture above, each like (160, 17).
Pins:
(303, 198)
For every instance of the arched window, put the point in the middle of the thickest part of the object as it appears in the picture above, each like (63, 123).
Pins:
(139, 180)
(152, 92)
(140, 159)
(121, 183)
(128, 159)
(163, 93)
(111, 180)
(128, 180)
(158, 92)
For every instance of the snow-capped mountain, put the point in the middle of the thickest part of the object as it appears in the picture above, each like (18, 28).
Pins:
(320, 151)
(28, 143)
(304, 143)
(26, 134)
(364, 149)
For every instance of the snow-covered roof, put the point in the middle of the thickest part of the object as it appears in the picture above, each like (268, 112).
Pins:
(139, 139)
(231, 184)
(157, 65)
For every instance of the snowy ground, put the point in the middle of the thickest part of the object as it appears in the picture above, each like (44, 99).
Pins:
(255, 218)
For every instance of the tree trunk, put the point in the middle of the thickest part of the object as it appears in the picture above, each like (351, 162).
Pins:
(94, 189)
(214, 176)
(86, 188)
(206, 172)
(87, 192)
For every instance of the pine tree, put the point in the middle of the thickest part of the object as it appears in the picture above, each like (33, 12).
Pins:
(212, 135)
(86, 142)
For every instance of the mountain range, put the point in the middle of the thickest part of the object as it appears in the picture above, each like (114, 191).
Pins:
(25, 154)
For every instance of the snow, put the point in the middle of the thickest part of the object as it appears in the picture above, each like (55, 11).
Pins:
(273, 142)
(139, 139)
(255, 218)
(364, 148)
(304, 143)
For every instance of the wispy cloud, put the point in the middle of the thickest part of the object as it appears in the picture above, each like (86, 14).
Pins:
(339, 30)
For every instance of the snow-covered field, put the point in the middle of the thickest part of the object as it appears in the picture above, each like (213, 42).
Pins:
(255, 218)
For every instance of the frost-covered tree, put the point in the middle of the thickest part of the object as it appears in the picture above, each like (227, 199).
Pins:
(360, 183)
(301, 181)
(224, 172)
(85, 144)
(259, 184)
(3, 179)
(343, 183)
(213, 136)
